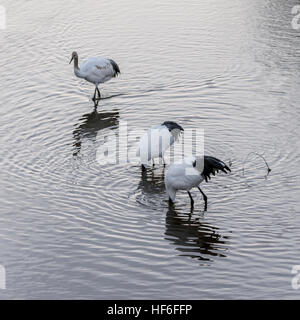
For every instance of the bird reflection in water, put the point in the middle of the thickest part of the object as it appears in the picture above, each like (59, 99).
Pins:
(151, 188)
(152, 181)
(194, 238)
(89, 125)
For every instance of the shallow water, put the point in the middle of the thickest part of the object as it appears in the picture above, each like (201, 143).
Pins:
(72, 228)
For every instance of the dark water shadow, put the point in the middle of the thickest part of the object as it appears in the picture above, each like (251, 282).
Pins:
(194, 238)
(90, 124)
(150, 191)
(152, 181)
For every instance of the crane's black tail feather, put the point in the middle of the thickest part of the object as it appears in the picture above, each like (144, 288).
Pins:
(212, 165)
(115, 67)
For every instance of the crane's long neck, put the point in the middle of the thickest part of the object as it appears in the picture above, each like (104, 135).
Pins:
(171, 192)
(76, 68)
(76, 62)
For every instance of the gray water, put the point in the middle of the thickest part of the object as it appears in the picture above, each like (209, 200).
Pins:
(72, 228)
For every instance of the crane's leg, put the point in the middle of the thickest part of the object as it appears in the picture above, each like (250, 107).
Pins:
(171, 204)
(204, 198)
(192, 200)
(96, 102)
(164, 163)
(94, 97)
(153, 163)
(99, 94)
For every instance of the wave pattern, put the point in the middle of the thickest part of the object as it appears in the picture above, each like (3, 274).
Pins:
(73, 227)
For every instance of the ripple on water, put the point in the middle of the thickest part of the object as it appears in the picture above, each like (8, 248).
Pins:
(104, 230)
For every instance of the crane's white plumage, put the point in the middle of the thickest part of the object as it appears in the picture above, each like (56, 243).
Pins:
(156, 140)
(190, 173)
(181, 176)
(95, 70)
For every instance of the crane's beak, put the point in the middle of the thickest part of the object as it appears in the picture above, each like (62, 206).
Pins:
(71, 59)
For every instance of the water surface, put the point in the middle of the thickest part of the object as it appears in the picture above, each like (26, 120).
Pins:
(72, 228)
